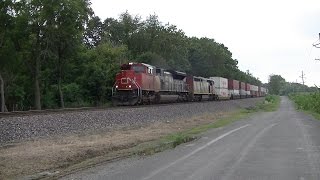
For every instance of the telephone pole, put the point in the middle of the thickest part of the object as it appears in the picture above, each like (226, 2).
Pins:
(302, 77)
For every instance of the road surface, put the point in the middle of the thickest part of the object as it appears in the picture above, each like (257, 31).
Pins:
(272, 145)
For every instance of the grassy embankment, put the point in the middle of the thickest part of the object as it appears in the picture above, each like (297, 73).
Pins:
(307, 102)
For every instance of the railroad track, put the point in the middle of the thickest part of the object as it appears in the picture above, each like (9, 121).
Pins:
(83, 109)
(17, 126)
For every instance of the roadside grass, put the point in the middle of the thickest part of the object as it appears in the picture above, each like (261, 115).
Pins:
(307, 102)
(270, 104)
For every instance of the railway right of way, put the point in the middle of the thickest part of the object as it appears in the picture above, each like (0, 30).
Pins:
(20, 128)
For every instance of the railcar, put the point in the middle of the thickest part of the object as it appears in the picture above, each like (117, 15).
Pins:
(200, 88)
(242, 89)
(221, 87)
(233, 86)
(248, 92)
(254, 91)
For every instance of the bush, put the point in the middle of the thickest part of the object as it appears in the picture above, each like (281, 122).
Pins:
(307, 101)
(271, 98)
(73, 95)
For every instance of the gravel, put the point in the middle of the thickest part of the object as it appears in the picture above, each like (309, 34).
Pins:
(14, 129)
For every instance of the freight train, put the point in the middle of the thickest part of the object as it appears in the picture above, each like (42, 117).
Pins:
(140, 83)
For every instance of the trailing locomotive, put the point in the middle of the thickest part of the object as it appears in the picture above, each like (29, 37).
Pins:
(140, 83)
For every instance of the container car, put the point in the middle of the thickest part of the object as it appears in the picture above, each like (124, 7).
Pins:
(254, 91)
(242, 89)
(248, 90)
(221, 87)
(263, 91)
(233, 86)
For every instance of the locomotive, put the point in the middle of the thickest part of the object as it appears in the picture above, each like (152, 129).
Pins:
(140, 83)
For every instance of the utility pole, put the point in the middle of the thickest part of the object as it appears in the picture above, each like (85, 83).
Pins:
(302, 77)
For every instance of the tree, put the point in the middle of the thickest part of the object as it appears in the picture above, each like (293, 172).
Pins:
(276, 82)
(7, 51)
(29, 40)
(100, 69)
(94, 32)
(63, 31)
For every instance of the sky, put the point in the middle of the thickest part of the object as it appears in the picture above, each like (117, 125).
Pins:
(265, 36)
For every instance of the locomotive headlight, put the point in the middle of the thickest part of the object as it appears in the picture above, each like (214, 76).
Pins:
(117, 86)
(129, 86)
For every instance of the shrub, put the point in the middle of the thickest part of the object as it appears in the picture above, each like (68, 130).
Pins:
(307, 101)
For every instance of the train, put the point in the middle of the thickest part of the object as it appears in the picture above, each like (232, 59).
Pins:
(141, 83)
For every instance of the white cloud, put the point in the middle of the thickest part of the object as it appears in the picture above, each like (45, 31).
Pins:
(273, 36)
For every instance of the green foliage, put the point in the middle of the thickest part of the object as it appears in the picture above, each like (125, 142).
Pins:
(307, 101)
(276, 82)
(295, 87)
(100, 69)
(271, 103)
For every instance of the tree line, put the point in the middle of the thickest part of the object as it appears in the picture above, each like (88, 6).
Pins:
(279, 86)
(57, 53)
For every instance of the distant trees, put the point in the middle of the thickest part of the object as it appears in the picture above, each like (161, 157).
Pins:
(58, 54)
(276, 82)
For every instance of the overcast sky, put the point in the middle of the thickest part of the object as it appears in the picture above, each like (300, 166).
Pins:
(267, 37)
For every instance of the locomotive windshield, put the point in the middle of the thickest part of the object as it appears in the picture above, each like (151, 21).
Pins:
(135, 68)
(138, 69)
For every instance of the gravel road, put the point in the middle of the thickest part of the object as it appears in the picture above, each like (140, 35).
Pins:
(14, 129)
(284, 144)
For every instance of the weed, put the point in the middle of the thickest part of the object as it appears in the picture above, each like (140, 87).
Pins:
(309, 102)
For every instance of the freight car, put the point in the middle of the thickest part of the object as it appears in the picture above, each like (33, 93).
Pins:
(254, 91)
(140, 83)
(233, 86)
(242, 89)
(221, 87)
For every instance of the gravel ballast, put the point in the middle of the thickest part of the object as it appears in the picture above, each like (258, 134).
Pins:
(47, 125)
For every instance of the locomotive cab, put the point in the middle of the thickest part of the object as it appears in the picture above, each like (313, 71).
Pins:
(132, 83)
